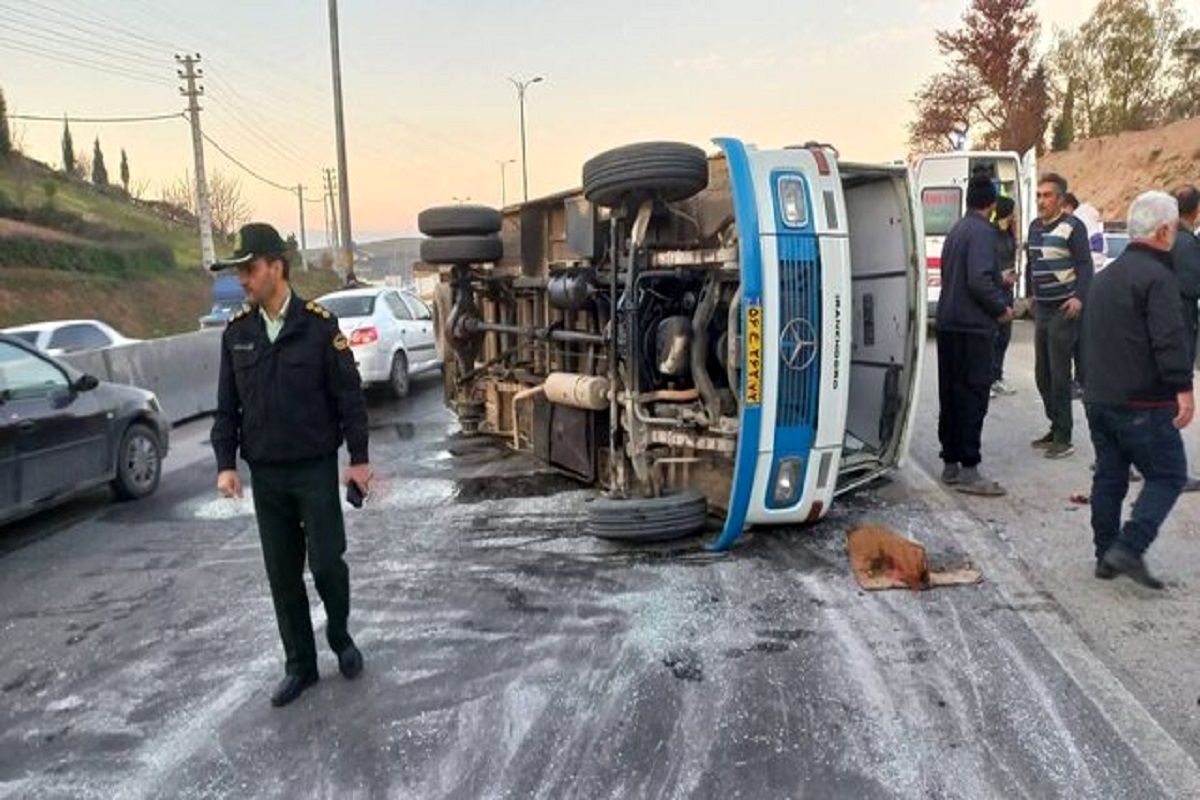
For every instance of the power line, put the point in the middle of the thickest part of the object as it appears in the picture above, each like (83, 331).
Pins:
(73, 46)
(248, 170)
(95, 120)
(54, 29)
(80, 61)
(243, 115)
(107, 24)
(276, 149)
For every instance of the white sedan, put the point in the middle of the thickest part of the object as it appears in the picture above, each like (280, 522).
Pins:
(69, 336)
(390, 333)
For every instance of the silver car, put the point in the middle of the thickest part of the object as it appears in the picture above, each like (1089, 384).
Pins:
(390, 332)
(64, 337)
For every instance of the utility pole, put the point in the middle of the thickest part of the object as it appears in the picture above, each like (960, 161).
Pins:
(346, 238)
(330, 184)
(192, 92)
(328, 227)
(303, 235)
(521, 87)
(504, 181)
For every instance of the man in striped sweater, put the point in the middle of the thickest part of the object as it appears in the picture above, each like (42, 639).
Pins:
(1058, 278)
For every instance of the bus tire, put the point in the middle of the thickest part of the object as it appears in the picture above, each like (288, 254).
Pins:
(464, 250)
(656, 519)
(459, 221)
(667, 171)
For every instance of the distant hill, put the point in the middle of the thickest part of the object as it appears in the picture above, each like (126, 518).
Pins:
(1110, 171)
(68, 249)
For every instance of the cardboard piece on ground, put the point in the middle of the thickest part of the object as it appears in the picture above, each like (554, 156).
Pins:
(883, 559)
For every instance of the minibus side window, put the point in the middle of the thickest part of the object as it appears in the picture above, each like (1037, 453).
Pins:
(941, 207)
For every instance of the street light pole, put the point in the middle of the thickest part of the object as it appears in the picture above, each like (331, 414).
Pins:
(346, 252)
(504, 181)
(521, 87)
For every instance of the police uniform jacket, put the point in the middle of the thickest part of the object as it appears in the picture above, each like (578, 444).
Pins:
(295, 399)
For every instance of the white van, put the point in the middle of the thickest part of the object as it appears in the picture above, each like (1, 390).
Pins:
(744, 329)
(942, 186)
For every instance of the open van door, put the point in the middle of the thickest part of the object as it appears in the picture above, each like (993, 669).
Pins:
(887, 276)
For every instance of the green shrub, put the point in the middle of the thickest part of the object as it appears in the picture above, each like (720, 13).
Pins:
(116, 260)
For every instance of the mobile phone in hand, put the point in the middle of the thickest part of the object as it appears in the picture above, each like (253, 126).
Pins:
(354, 495)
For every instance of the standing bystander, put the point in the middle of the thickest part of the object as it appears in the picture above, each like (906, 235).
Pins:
(1006, 255)
(971, 304)
(1139, 390)
(1058, 276)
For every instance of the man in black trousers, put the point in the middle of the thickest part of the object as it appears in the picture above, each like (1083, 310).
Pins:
(1139, 390)
(971, 306)
(287, 397)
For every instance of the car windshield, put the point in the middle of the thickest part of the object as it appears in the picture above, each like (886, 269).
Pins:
(350, 305)
(1115, 245)
(26, 336)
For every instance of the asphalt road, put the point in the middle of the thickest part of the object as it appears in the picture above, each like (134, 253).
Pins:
(509, 656)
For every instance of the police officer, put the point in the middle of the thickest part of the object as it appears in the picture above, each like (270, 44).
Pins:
(288, 395)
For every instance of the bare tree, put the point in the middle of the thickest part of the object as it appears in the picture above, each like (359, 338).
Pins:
(82, 165)
(229, 208)
(19, 134)
(140, 188)
(180, 193)
(945, 103)
(993, 82)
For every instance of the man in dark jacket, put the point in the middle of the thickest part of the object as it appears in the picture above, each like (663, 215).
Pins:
(971, 305)
(287, 397)
(1139, 390)
(1185, 260)
(1058, 276)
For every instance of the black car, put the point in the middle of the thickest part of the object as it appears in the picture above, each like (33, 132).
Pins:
(62, 432)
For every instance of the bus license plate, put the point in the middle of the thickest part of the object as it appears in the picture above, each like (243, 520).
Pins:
(754, 361)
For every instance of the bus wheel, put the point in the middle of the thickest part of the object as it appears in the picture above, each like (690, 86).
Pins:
(654, 519)
(473, 249)
(459, 221)
(666, 171)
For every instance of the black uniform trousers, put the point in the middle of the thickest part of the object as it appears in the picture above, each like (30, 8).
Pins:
(299, 512)
(966, 366)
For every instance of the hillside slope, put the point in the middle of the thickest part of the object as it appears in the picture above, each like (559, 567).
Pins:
(1110, 171)
(68, 250)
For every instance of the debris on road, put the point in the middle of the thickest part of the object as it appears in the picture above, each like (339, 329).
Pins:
(1080, 499)
(883, 559)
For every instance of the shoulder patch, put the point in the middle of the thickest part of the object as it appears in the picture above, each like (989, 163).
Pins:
(318, 310)
(340, 342)
(244, 311)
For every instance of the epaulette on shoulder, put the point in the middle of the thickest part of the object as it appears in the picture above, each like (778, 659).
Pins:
(318, 310)
(242, 312)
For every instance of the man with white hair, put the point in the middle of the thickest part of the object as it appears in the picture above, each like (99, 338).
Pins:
(1139, 389)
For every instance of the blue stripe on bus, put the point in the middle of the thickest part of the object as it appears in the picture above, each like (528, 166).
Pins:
(745, 207)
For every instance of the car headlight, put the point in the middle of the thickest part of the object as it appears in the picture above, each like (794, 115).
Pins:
(154, 404)
(788, 479)
(793, 205)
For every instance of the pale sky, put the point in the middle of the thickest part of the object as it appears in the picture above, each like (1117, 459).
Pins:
(429, 110)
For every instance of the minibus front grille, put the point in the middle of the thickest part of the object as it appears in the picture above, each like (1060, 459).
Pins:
(800, 331)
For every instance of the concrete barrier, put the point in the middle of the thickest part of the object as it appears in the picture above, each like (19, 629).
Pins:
(181, 370)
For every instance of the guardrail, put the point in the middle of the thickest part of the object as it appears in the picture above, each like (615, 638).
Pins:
(182, 370)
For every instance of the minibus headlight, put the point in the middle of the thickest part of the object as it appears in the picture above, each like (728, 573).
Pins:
(788, 479)
(792, 206)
